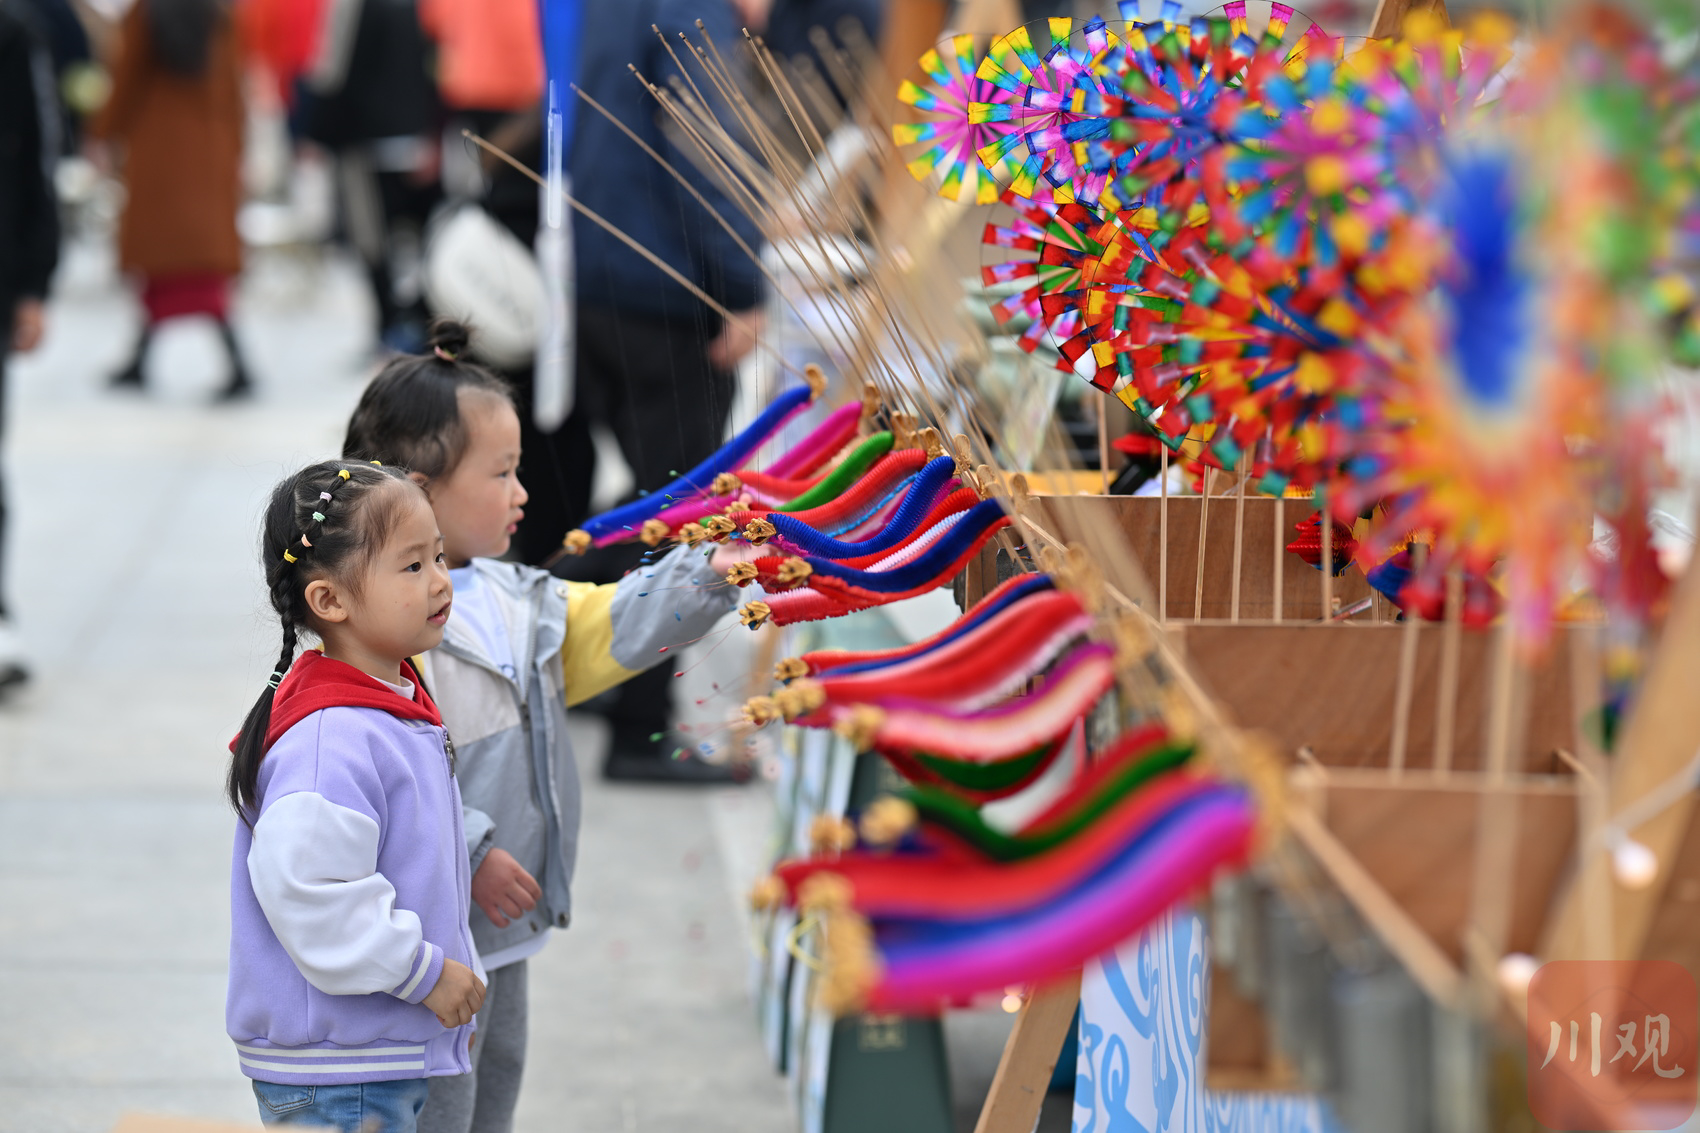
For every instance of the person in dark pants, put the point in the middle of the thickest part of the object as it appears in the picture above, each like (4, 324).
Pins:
(369, 99)
(29, 234)
(654, 363)
(177, 114)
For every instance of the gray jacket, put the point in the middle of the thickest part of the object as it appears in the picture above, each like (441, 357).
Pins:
(515, 764)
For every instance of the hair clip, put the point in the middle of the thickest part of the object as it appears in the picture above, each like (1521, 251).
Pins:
(289, 558)
(443, 354)
(276, 678)
(343, 474)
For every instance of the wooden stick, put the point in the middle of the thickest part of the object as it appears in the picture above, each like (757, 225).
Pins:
(1280, 552)
(1497, 812)
(754, 208)
(1163, 537)
(672, 273)
(1239, 538)
(1593, 859)
(1203, 526)
(1029, 1057)
(1502, 697)
(1325, 527)
(1407, 682)
(1446, 697)
(1104, 445)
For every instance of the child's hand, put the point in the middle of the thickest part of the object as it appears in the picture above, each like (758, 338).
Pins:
(458, 995)
(503, 889)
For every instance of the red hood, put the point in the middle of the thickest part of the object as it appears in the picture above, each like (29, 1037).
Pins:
(316, 681)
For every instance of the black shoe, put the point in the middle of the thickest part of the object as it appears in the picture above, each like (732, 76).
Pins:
(238, 388)
(645, 760)
(13, 676)
(130, 377)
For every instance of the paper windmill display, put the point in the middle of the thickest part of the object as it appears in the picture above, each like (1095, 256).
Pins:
(952, 137)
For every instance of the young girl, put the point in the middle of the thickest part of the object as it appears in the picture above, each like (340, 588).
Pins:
(353, 977)
(521, 647)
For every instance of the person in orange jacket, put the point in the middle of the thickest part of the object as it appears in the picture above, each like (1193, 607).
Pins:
(489, 53)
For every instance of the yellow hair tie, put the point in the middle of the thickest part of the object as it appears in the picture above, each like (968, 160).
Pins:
(289, 558)
(343, 473)
(379, 463)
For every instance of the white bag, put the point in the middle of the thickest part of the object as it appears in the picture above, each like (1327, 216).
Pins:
(477, 272)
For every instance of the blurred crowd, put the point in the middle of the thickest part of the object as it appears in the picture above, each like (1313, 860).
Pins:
(376, 97)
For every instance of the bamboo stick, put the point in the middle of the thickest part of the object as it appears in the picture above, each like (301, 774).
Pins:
(1498, 809)
(1407, 681)
(1593, 860)
(1163, 536)
(1239, 537)
(1325, 528)
(1104, 446)
(1446, 698)
(1203, 527)
(672, 273)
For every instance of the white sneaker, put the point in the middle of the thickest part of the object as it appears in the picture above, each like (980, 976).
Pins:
(13, 671)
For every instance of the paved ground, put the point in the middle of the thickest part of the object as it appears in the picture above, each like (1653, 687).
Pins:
(134, 579)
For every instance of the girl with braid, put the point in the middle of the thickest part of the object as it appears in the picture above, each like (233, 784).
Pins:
(521, 647)
(353, 976)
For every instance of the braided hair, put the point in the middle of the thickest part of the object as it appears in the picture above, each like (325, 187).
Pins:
(327, 521)
(410, 414)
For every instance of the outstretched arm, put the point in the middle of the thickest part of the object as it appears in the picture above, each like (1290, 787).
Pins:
(618, 630)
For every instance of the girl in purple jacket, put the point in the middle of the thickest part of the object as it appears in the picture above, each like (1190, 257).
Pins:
(353, 978)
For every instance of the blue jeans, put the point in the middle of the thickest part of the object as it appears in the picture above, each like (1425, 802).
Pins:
(367, 1107)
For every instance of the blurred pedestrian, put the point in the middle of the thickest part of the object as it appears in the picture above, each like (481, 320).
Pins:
(176, 110)
(489, 53)
(78, 81)
(29, 235)
(368, 98)
(654, 363)
(282, 38)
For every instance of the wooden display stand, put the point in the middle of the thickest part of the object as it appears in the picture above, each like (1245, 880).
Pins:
(1250, 535)
(1409, 784)
(1442, 784)
(1244, 539)
(1334, 692)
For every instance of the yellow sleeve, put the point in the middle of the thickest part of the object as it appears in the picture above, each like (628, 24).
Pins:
(587, 655)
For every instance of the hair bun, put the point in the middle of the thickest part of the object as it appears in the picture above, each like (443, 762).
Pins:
(448, 335)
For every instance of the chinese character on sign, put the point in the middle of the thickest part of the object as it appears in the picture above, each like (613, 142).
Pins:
(1656, 1043)
(1611, 1044)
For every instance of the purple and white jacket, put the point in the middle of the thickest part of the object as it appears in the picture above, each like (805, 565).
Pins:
(346, 897)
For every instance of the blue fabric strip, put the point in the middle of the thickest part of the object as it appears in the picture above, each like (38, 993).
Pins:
(923, 494)
(697, 480)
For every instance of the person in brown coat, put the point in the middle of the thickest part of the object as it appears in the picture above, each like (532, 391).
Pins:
(176, 109)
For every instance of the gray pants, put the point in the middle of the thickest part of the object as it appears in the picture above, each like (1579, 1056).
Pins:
(483, 1101)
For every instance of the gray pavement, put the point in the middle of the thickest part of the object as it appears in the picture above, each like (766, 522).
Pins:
(133, 577)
